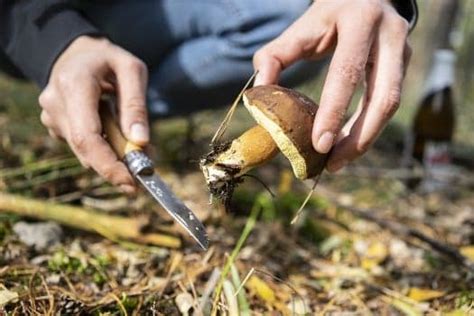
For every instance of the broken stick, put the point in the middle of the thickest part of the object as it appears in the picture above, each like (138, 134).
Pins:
(110, 226)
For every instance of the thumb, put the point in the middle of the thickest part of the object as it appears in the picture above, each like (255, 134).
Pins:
(131, 85)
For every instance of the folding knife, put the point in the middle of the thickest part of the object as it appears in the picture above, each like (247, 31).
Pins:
(141, 167)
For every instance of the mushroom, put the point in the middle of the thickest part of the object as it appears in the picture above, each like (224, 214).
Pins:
(285, 119)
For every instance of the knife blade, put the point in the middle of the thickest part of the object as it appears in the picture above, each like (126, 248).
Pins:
(176, 208)
(141, 167)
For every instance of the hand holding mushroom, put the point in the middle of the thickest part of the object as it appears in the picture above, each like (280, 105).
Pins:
(368, 40)
(285, 120)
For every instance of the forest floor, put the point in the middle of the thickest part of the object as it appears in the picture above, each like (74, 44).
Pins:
(365, 244)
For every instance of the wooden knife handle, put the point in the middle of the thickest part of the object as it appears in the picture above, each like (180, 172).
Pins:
(119, 143)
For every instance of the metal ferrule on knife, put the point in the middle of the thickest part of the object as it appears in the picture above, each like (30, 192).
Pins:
(138, 163)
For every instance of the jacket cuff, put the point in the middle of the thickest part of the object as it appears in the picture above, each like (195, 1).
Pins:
(408, 9)
(37, 51)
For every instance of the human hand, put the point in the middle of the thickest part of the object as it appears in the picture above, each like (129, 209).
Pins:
(88, 68)
(368, 37)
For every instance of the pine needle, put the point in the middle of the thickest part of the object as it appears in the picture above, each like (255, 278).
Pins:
(247, 277)
(306, 200)
(225, 122)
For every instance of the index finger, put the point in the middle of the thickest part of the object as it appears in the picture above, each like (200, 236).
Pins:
(86, 141)
(345, 72)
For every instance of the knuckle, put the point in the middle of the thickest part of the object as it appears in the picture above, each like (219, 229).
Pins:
(79, 141)
(260, 55)
(136, 65)
(373, 10)
(46, 98)
(64, 79)
(115, 172)
(392, 104)
(44, 118)
(351, 71)
(68, 81)
(399, 25)
(136, 105)
(362, 146)
(108, 173)
(334, 117)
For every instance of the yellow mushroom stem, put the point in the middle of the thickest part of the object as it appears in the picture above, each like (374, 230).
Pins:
(253, 148)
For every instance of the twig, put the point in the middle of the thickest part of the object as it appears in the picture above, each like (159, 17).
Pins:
(112, 227)
(447, 250)
(382, 173)
(460, 177)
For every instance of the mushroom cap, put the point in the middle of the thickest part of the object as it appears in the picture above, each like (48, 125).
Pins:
(288, 116)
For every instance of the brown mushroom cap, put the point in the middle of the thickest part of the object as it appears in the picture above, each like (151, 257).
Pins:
(288, 116)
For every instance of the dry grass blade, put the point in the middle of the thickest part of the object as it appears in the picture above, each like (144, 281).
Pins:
(244, 307)
(229, 294)
(204, 309)
(43, 165)
(247, 277)
(225, 122)
(119, 303)
(306, 200)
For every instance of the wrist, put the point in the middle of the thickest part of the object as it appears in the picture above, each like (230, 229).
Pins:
(88, 42)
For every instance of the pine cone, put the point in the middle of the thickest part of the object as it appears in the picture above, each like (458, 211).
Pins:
(69, 306)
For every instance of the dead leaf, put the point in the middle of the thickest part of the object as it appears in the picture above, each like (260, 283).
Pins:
(457, 312)
(261, 289)
(185, 302)
(421, 295)
(7, 296)
(468, 251)
(405, 307)
(299, 306)
(376, 253)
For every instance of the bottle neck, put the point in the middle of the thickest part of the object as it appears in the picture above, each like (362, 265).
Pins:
(441, 74)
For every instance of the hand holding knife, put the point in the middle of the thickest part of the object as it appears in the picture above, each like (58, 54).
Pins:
(141, 168)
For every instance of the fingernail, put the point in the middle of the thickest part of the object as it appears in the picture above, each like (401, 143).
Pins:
(258, 80)
(139, 133)
(338, 165)
(325, 143)
(127, 188)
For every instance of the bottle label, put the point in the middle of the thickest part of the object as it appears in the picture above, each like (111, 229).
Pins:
(441, 74)
(436, 154)
(440, 174)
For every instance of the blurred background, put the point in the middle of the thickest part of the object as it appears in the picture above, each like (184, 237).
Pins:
(356, 248)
